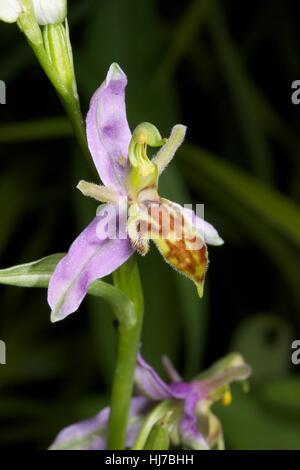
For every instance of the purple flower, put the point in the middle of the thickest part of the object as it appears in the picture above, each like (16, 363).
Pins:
(133, 212)
(185, 409)
(191, 421)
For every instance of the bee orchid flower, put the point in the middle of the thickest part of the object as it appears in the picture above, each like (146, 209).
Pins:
(133, 212)
(188, 413)
(184, 408)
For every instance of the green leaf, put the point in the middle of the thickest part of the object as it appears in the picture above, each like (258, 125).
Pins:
(267, 204)
(12, 211)
(35, 274)
(248, 425)
(235, 74)
(182, 36)
(264, 340)
(39, 129)
(38, 273)
(283, 395)
(280, 251)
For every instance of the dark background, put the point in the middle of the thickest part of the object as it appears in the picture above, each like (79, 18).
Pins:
(225, 70)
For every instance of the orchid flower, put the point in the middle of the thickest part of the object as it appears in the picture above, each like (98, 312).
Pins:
(45, 11)
(184, 407)
(188, 410)
(132, 205)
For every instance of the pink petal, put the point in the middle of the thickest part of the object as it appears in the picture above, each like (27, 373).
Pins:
(188, 428)
(207, 231)
(88, 259)
(152, 386)
(90, 434)
(108, 132)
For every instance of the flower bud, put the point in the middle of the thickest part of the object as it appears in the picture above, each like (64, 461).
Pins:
(44, 11)
(50, 11)
(10, 10)
(159, 436)
(59, 51)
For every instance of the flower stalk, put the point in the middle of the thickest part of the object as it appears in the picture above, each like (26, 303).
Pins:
(127, 279)
(52, 47)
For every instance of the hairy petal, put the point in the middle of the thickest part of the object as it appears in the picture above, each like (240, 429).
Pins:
(10, 10)
(167, 152)
(94, 254)
(99, 193)
(108, 132)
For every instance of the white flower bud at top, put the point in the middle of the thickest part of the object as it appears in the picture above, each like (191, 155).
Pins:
(10, 10)
(50, 11)
(45, 11)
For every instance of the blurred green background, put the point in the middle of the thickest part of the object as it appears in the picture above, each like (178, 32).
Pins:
(225, 70)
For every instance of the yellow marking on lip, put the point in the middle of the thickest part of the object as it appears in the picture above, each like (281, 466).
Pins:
(227, 398)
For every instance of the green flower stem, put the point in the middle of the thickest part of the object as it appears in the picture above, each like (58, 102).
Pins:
(69, 99)
(127, 279)
(68, 94)
(72, 107)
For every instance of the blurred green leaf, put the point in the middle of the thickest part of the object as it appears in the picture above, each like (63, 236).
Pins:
(39, 129)
(233, 69)
(283, 395)
(244, 225)
(182, 37)
(265, 341)
(248, 425)
(266, 203)
(12, 205)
